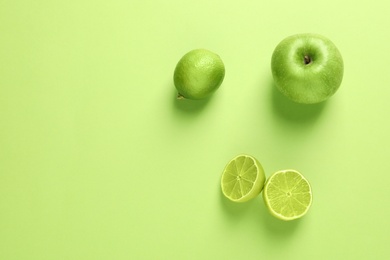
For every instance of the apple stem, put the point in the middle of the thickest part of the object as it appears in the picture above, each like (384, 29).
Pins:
(307, 59)
(180, 96)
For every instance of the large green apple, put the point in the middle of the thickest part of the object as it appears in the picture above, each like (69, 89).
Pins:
(307, 68)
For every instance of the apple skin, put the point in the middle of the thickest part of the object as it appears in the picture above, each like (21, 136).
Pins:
(307, 68)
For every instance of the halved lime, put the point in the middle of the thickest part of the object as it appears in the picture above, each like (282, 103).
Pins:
(242, 179)
(287, 195)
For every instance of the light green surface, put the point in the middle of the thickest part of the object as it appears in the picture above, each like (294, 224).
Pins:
(99, 161)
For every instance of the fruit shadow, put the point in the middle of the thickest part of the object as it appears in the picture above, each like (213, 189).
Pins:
(289, 110)
(188, 106)
(273, 227)
(235, 210)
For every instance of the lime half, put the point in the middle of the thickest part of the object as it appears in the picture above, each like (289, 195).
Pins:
(287, 195)
(242, 179)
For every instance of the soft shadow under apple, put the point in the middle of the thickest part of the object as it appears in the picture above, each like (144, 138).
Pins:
(292, 111)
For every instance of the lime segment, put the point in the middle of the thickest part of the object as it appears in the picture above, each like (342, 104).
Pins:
(242, 179)
(287, 195)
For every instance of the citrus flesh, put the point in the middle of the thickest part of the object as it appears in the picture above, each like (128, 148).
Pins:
(198, 74)
(242, 178)
(287, 195)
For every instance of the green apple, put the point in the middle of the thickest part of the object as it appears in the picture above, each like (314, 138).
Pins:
(307, 68)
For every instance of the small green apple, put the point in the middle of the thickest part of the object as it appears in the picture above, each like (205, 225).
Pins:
(307, 68)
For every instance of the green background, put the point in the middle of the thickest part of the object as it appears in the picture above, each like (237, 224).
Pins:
(98, 160)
